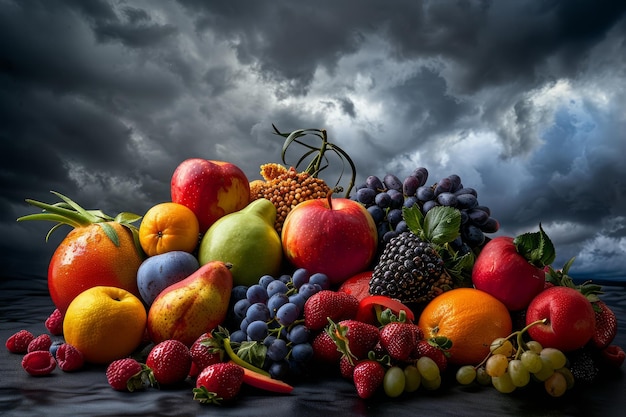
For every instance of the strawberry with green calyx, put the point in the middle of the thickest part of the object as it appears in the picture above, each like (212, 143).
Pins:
(354, 339)
(512, 269)
(218, 382)
(205, 351)
(606, 321)
(128, 374)
(435, 348)
(100, 251)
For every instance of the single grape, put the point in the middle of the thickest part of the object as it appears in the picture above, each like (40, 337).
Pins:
(286, 278)
(257, 294)
(569, 377)
(424, 193)
(287, 314)
(389, 235)
(555, 356)
(277, 350)
(377, 213)
(302, 352)
(428, 368)
(299, 334)
(275, 302)
(477, 216)
(482, 377)
(431, 385)
(546, 370)
(299, 277)
(383, 200)
(238, 336)
(412, 377)
(519, 373)
(496, 365)
(410, 201)
(447, 199)
(320, 279)
(243, 325)
(392, 182)
(279, 370)
(531, 360)
(428, 205)
(410, 185)
(401, 227)
(490, 226)
(394, 216)
(466, 201)
(534, 346)
(257, 330)
(265, 280)
(485, 209)
(394, 381)
(422, 174)
(473, 235)
(298, 299)
(466, 374)
(397, 199)
(455, 182)
(257, 311)
(269, 339)
(556, 384)
(374, 183)
(501, 345)
(444, 185)
(366, 196)
(503, 383)
(276, 287)
(240, 308)
(238, 293)
(307, 290)
(466, 190)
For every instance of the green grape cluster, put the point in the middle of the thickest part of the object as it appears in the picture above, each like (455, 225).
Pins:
(513, 363)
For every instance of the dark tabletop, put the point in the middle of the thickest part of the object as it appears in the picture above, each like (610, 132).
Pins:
(87, 393)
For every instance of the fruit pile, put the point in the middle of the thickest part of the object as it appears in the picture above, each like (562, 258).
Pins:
(394, 287)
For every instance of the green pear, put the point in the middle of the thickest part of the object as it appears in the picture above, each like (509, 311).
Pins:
(246, 239)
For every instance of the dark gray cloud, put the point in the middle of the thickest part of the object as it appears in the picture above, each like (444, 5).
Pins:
(101, 101)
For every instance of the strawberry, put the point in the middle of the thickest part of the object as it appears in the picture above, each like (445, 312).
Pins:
(329, 304)
(368, 376)
(54, 323)
(41, 342)
(39, 362)
(169, 361)
(69, 358)
(606, 325)
(204, 351)
(346, 367)
(324, 348)
(353, 338)
(399, 339)
(128, 375)
(432, 349)
(217, 382)
(18, 342)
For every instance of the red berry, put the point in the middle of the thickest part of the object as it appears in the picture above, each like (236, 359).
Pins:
(606, 325)
(41, 342)
(127, 375)
(220, 381)
(325, 349)
(329, 304)
(169, 361)
(368, 376)
(399, 339)
(39, 362)
(430, 349)
(69, 358)
(54, 323)
(354, 338)
(204, 351)
(18, 342)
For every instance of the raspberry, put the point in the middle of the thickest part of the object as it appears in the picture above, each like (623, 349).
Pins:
(54, 323)
(18, 342)
(69, 358)
(41, 342)
(39, 362)
(128, 375)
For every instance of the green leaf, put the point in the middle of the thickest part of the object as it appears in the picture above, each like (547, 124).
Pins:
(441, 224)
(414, 219)
(110, 232)
(536, 247)
(252, 352)
(127, 218)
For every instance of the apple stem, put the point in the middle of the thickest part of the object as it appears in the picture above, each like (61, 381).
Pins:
(329, 198)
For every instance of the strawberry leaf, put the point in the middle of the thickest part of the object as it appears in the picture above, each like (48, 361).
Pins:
(441, 224)
(252, 352)
(536, 247)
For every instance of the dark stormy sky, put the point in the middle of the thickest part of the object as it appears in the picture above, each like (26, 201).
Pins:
(525, 100)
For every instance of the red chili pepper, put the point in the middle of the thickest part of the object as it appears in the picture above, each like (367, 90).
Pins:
(371, 306)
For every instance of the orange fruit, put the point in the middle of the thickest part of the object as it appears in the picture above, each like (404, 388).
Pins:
(87, 257)
(168, 227)
(470, 318)
(105, 324)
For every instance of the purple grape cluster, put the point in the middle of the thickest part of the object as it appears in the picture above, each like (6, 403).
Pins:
(384, 200)
(269, 317)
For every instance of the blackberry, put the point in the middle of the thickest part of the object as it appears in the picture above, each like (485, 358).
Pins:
(410, 270)
(583, 365)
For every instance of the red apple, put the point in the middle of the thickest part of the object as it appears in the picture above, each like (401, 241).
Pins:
(335, 236)
(211, 189)
(503, 272)
(570, 318)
